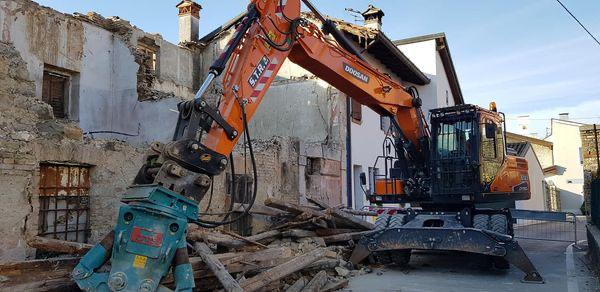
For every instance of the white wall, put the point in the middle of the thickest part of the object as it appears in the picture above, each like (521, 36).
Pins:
(536, 179)
(566, 151)
(366, 140)
(426, 57)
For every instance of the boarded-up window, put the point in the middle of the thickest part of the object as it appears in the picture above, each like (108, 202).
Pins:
(241, 194)
(64, 201)
(356, 113)
(54, 92)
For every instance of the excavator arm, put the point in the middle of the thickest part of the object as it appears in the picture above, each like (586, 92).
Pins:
(272, 32)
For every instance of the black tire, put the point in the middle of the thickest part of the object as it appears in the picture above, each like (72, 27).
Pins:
(401, 258)
(481, 221)
(499, 224)
(382, 221)
(395, 221)
(382, 257)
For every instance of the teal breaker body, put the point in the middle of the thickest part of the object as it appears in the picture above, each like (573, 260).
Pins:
(148, 240)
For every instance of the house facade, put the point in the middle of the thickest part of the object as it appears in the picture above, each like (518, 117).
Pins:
(568, 160)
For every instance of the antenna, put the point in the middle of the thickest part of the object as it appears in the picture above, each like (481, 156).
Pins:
(355, 13)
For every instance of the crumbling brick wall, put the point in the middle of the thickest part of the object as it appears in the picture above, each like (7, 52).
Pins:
(29, 135)
(589, 150)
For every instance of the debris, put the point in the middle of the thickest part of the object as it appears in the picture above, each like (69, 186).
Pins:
(342, 271)
(318, 281)
(229, 283)
(333, 286)
(282, 270)
(302, 247)
(298, 285)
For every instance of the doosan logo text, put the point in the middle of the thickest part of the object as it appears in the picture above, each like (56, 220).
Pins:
(357, 74)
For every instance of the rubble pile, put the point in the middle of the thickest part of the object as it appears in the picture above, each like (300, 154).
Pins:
(306, 249)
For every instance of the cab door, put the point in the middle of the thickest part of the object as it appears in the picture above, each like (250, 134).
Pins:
(454, 158)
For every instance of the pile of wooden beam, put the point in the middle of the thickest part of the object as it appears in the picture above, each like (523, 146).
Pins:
(306, 250)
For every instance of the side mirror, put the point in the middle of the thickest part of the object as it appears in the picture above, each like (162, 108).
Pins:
(363, 179)
(490, 131)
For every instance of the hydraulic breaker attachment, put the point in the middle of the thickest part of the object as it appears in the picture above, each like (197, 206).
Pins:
(453, 238)
(148, 240)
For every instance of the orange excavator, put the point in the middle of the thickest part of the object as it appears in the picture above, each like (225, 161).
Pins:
(442, 171)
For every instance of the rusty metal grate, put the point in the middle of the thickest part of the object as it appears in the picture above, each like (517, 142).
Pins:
(64, 201)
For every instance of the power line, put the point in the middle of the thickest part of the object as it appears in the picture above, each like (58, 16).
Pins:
(581, 24)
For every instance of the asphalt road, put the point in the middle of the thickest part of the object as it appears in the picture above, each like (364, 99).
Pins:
(441, 271)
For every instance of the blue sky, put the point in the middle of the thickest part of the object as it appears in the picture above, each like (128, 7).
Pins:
(528, 56)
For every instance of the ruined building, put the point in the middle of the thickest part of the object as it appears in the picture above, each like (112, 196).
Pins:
(81, 96)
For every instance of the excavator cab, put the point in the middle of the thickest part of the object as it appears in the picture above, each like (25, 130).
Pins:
(468, 163)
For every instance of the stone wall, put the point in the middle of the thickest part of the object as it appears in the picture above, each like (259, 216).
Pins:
(29, 135)
(590, 162)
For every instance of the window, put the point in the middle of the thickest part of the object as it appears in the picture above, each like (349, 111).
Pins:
(148, 51)
(64, 201)
(454, 139)
(356, 111)
(447, 98)
(489, 140)
(55, 93)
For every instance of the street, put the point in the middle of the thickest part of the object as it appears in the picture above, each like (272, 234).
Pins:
(428, 271)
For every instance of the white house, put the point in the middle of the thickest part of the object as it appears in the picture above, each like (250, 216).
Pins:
(431, 56)
(568, 159)
(536, 177)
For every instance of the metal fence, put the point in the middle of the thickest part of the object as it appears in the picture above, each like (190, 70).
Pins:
(543, 225)
(595, 202)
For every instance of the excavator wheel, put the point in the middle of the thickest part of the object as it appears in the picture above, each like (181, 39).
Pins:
(499, 224)
(480, 221)
(401, 258)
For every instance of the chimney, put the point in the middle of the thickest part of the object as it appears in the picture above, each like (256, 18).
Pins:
(189, 21)
(523, 122)
(563, 116)
(373, 16)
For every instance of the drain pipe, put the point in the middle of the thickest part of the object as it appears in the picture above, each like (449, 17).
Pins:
(349, 190)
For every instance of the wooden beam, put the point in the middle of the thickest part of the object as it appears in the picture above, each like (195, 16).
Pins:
(298, 285)
(350, 220)
(59, 246)
(228, 282)
(244, 239)
(319, 203)
(360, 212)
(298, 233)
(293, 208)
(282, 270)
(259, 209)
(315, 284)
(345, 237)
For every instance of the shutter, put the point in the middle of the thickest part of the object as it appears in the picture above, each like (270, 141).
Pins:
(356, 108)
(53, 93)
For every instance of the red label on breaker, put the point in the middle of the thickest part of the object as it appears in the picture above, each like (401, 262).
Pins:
(146, 237)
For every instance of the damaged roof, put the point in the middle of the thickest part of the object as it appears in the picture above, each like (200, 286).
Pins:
(444, 51)
(373, 41)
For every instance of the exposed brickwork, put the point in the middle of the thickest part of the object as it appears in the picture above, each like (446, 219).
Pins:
(590, 162)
